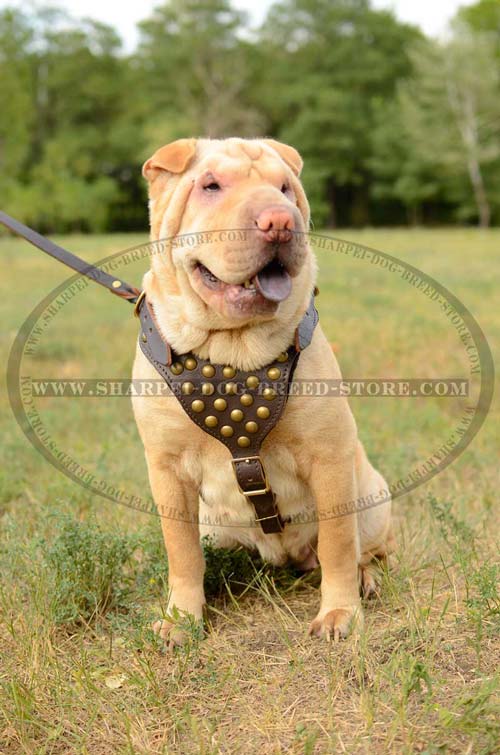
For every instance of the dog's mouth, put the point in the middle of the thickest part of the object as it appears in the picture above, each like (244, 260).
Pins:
(272, 282)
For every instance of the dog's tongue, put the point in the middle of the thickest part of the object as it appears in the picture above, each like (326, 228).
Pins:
(273, 282)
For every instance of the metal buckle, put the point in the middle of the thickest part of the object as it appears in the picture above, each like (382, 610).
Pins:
(138, 303)
(259, 491)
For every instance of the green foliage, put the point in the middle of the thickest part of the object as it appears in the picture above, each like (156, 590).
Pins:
(481, 579)
(223, 567)
(95, 572)
(392, 127)
(89, 570)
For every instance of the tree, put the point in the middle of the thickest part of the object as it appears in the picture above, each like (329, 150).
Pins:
(483, 16)
(196, 70)
(329, 61)
(446, 109)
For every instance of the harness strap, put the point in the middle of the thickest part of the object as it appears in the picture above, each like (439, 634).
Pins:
(236, 407)
(116, 286)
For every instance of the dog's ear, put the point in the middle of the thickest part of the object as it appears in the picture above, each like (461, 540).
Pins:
(174, 158)
(288, 154)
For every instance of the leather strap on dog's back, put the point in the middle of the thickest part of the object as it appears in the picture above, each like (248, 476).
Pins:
(237, 408)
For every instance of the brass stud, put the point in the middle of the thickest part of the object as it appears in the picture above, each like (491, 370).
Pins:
(220, 404)
(226, 431)
(190, 363)
(246, 399)
(269, 394)
(252, 381)
(236, 415)
(231, 388)
(176, 368)
(273, 373)
(229, 372)
(198, 406)
(144, 337)
(211, 421)
(251, 427)
(187, 388)
(116, 284)
(263, 412)
(243, 441)
(208, 370)
(283, 357)
(207, 389)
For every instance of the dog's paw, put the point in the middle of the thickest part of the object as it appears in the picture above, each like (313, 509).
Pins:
(337, 623)
(176, 634)
(369, 584)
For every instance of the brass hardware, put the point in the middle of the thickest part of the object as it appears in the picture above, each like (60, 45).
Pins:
(176, 368)
(237, 415)
(251, 427)
(208, 371)
(252, 381)
(138, 303)
(187, 388)
(229, 372)
(226, 431)
(247, 460)
(220, 404)
(246, 399)
(231, 388)
(243, 441)
(144, 337)
(116, 284)
(269, 394)
(263, 412)
(283, 357)
(207, 389)
(190, 363)
(197, 406)
(273, 373)
(211, 421)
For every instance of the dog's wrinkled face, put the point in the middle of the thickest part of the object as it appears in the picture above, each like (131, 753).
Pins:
(244, 196)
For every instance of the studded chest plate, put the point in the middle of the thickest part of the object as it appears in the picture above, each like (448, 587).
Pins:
(236, 407)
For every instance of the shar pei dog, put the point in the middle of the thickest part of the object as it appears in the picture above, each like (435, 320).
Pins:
(238, 303)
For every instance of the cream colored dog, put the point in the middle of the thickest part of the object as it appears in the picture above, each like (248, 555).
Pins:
(206, 301)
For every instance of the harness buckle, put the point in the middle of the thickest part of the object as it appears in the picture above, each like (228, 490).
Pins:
(247, 460)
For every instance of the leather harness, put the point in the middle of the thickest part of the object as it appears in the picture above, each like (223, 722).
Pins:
(238, 408)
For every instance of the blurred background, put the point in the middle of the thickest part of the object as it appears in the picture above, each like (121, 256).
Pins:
(398, 123)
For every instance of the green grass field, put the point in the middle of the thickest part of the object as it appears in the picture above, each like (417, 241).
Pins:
(83, 578)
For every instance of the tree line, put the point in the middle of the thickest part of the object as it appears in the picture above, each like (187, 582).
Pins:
(394, 127)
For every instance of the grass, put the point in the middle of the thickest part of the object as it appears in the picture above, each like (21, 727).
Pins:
(82, 579)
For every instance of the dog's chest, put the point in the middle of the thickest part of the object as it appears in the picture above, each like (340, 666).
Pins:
(227, 517)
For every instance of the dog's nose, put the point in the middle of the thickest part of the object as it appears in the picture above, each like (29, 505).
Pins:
(276, 224)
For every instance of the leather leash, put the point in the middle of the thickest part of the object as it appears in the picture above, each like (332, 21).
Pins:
(116, 286)
(236, 407)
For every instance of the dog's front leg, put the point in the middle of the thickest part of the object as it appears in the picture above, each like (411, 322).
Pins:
(338, 549)
(177, 504)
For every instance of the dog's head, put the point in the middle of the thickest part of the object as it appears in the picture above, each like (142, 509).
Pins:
(236, 215)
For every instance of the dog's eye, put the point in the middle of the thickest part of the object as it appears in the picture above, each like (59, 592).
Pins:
(212, 186)
(284, 189)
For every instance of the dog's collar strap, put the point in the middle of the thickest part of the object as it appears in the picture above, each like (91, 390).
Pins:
(236, 407)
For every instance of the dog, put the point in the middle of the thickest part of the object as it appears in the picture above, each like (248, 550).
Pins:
(207, 300)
